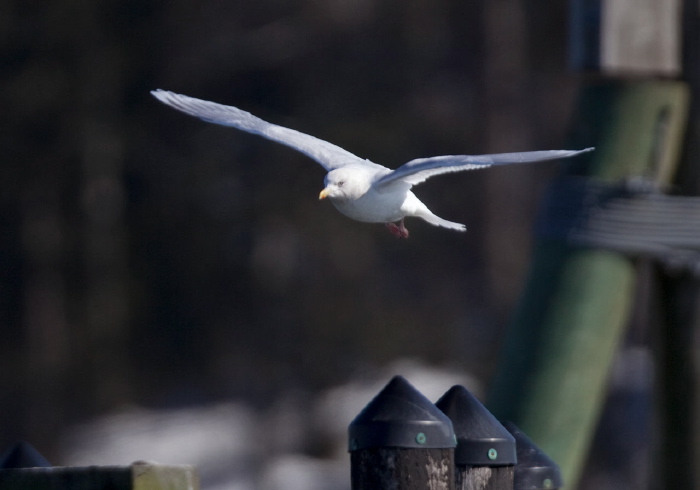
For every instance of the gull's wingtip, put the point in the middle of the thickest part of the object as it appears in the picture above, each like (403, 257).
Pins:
(170, 98)
(573, 153)
(160, 94)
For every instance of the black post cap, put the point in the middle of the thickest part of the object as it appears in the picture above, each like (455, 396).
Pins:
(481, 439)
(400, 416)
(535, 470)
(23, 455)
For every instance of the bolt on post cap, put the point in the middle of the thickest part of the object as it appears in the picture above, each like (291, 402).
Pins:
(481, 439)
(535, 470)
(400, 416)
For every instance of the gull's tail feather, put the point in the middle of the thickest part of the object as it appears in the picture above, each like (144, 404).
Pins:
(437, 221)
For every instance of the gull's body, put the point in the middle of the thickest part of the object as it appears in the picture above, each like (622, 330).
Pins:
(360, 189)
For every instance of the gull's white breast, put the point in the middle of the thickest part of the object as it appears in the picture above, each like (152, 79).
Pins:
(375, 207)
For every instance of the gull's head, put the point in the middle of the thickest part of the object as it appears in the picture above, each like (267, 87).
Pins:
(346, 183)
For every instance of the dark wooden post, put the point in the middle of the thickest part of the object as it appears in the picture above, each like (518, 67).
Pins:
(67, 478)
(485, 454)
(678, 343)
(23, 455)
(535, 470)
(400, 440)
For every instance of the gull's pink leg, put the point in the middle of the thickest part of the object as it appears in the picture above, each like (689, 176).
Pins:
(399, 231)
(393, 229)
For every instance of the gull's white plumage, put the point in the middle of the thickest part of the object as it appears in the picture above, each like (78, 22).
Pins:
(360, 189)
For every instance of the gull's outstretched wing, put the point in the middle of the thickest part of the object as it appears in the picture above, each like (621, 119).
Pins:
(327, 154)
(417, 171)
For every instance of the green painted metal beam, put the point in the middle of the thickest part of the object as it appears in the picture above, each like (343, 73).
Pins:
(552, 379)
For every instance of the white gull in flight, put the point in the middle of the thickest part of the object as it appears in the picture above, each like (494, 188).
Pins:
(360, 189)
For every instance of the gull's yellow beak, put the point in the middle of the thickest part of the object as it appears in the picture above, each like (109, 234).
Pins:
(323, 194)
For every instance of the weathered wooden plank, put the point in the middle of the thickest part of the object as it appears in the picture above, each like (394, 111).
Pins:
(139, 476)
(149, 476)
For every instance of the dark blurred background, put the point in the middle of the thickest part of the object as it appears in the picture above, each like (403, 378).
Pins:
(150, 259)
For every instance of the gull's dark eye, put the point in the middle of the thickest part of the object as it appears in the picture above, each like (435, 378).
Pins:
(341, 183)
